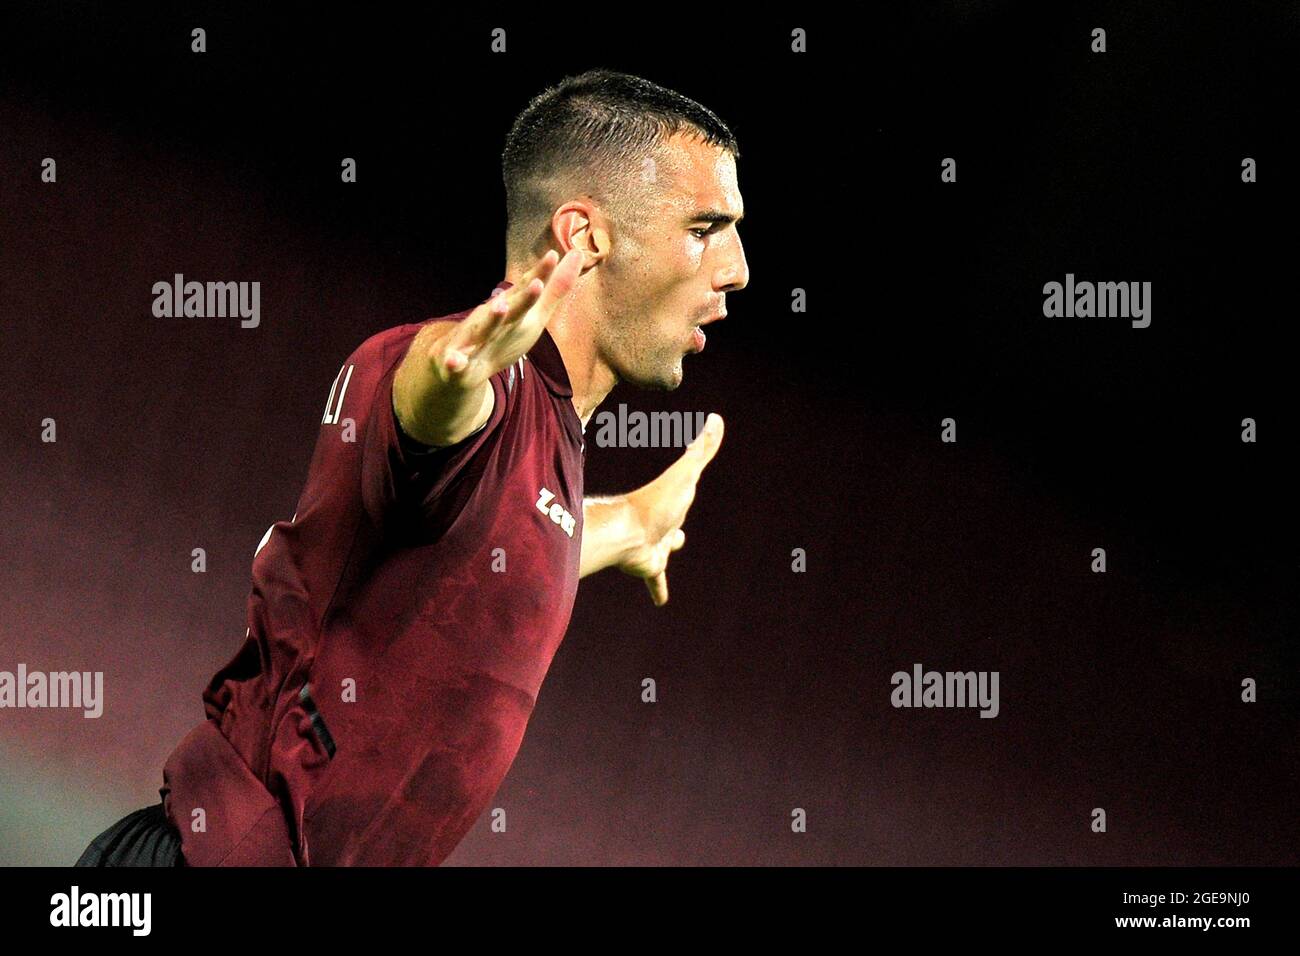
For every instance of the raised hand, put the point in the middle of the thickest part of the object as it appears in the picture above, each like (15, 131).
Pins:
(507, 325)
(660, 509)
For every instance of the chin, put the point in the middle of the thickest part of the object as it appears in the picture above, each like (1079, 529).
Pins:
(674, 377)
(660, 380)
(665, 384)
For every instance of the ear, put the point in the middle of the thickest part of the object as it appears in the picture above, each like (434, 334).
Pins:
(579, 224)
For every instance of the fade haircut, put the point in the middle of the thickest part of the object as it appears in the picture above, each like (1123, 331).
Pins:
(590, 135)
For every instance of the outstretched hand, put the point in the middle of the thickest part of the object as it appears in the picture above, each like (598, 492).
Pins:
(506, 326)
(660, 509)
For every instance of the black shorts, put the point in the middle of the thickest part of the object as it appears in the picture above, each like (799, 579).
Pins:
(143, 838)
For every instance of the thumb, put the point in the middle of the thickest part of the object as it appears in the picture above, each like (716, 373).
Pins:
(658, 586)
(705, 445)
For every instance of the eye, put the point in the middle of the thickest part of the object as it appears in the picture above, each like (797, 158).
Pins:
(701, 232)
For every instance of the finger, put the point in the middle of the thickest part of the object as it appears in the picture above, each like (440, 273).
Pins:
(678, 539)
(507, 306)
(700, 451)
(558, 285)
(478, 328)
(468, 335)
(542, 268)
(706, 444)
(658, 586)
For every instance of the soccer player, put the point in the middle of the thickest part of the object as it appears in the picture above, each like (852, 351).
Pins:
(402, 621)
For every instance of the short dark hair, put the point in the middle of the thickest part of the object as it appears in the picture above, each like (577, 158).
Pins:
(594, 129)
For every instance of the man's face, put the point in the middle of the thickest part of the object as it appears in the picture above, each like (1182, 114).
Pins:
(668, 273)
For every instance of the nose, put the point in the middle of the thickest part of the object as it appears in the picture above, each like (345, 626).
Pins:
(733, 275)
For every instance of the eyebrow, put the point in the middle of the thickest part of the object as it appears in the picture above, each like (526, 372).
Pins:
(716, 216)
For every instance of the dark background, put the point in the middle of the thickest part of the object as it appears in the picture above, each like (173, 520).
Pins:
(1119, 691)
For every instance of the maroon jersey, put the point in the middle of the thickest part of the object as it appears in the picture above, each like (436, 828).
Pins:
(399, 629)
